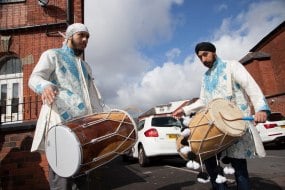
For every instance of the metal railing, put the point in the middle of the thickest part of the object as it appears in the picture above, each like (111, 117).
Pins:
(25, 109)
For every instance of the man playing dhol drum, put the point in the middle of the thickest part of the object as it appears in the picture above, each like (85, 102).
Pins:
(231, 81)
(66, 86)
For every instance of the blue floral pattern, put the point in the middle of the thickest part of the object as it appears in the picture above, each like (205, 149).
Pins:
(70, 101)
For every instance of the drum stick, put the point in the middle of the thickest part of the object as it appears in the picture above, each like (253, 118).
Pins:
(248, 118)
(260, 151)
(245, 118)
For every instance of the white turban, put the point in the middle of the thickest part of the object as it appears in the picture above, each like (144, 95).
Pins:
(74, 28)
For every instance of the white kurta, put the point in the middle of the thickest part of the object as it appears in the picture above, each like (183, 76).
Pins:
(77, 93)
(230, 80)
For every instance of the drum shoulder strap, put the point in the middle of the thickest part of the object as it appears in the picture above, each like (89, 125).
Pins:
(229, 80)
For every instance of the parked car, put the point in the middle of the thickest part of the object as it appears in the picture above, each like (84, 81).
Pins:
(273, 130)
(156, 137)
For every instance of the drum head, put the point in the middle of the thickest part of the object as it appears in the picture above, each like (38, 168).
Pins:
(229, 111)
(63, 151)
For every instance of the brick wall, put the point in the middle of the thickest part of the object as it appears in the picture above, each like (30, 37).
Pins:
(21, 169)
(262, 71)
(29, 13)
(270, 73)
(33, 29)
(277, 104)
(276, 47)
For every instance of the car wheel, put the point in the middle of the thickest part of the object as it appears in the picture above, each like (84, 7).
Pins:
(143, 159)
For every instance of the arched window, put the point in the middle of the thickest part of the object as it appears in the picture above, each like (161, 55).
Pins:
(11, 80)
(10, 65)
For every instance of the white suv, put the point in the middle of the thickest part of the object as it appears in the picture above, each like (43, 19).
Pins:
(273, 130)
(156, 137)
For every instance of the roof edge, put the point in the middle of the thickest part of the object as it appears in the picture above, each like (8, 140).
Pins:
(268, 36)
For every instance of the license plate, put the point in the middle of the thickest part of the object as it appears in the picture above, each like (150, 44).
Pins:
(172, 136)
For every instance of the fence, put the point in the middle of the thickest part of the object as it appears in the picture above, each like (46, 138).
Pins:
(20, 111)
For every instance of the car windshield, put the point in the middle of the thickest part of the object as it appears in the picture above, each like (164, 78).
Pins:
(165, 122)
(275, 117)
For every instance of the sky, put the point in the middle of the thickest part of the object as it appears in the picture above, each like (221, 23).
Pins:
(142, 51)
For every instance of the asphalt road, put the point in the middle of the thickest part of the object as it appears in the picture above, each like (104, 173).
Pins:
(171, 174)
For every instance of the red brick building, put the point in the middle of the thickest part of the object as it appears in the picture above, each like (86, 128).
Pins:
(266, 63)
(27, 28)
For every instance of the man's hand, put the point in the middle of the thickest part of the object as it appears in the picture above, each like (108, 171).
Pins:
(260, 117)
(48, 94)
(178, 113)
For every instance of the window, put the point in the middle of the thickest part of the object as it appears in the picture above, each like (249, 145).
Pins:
(11, 1)
(141, 125)
(11, 81)
(3, 98)
(275, 117)
(10, 65)
(165, 122)
(15, 98)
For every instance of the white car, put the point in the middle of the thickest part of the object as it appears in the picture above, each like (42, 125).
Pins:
(156, 137)
(273, 130)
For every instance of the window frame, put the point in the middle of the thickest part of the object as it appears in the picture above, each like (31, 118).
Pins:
(11, 1)
(10, 80)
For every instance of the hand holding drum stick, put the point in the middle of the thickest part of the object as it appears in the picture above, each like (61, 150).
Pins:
(259, 117)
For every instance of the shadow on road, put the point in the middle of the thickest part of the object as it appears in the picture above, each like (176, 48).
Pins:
(261, 183)
(179, 186)
(172, 161)
(114, 175)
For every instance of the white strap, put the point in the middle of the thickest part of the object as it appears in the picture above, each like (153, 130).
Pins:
(229, 80)
(87, 97)
(260, 151)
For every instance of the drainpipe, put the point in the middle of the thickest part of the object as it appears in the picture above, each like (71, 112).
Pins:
(69, 14)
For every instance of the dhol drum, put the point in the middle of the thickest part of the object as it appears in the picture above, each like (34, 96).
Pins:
(212, 131)
(83, 144)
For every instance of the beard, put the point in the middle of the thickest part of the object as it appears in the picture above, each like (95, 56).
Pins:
(77, 51)
(210, 64)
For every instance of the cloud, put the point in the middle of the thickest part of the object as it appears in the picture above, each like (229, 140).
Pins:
(239, 34)
(222, 7)
(171, 54)
(118, 29)
(127, 77)
(171, 82)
